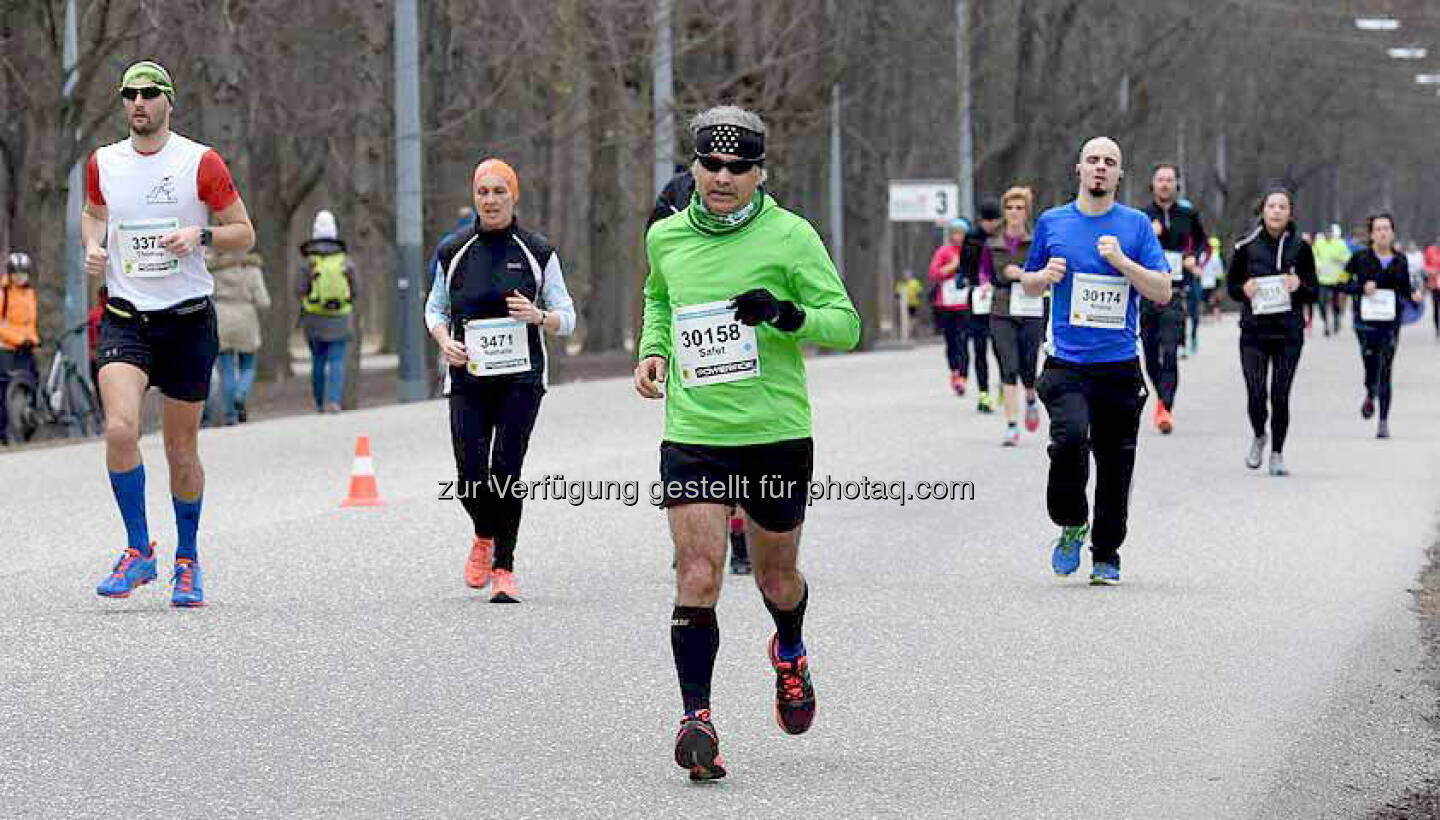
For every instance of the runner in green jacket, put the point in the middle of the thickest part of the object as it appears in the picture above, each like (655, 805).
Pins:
(694, 261)
(736, 285)
(1331, 254)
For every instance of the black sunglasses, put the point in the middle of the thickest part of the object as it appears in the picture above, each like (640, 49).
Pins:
(149, 92)
(736, 166)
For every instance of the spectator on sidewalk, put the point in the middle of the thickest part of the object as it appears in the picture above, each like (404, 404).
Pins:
(327, 302)
(19, 329)
(239, 296)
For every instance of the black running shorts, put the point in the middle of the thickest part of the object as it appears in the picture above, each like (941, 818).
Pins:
(175, 347)
(771, 482)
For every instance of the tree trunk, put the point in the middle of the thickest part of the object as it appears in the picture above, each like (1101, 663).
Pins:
(272, 363)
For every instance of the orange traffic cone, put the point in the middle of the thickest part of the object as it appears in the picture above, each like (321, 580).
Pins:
(363, 492)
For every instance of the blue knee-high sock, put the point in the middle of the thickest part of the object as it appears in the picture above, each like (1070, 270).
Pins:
(129, 489)
(187, 522)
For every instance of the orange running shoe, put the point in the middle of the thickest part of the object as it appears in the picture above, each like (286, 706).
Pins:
(503, 589)
(957, 382)
(477, 566)
(697, 747)
(1163, 421)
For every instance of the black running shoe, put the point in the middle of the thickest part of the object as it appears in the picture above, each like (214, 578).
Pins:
(794, 696)
(697, 747)
(1368, 408)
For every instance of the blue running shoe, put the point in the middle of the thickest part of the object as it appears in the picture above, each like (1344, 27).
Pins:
(1104, 574)
(187, 585)
(1065, 558)
(131, 571)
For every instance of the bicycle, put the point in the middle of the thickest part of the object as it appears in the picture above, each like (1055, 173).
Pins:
(66, 397)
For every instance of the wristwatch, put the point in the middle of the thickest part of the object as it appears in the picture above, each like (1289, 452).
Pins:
(205, 236)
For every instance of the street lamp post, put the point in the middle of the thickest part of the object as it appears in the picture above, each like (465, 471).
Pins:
(77, 296)
(409, 282)
(662, 96)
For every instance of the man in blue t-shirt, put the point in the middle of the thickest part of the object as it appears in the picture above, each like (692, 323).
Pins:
(1098, 258)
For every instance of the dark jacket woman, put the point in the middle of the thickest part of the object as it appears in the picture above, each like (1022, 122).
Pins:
(1365, 266)
(1258, 255)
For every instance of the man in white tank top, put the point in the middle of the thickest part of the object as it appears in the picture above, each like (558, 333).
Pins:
(152, 202)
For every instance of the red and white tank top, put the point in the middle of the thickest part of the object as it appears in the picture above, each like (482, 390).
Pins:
(148, 196)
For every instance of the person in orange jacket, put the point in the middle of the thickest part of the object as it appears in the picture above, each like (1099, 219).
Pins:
(19, 329)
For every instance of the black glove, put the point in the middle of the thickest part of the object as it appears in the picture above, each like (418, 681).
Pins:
(755, 306)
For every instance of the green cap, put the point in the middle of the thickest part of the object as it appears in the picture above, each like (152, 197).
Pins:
(152, 71)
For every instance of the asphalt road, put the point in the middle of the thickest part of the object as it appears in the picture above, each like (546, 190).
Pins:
(1260, 660)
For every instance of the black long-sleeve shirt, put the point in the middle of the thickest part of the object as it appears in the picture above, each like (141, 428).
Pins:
(1261, 254)
(1180, 232)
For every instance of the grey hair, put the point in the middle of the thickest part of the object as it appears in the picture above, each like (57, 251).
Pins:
(727, 115)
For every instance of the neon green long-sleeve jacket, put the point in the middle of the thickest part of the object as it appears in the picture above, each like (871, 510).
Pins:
(1330, 258)
(780, 252)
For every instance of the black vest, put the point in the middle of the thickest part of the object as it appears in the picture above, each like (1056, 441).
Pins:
(482, 267)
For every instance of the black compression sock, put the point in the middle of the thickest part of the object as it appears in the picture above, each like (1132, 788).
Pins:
(694, 640)
(788, 626)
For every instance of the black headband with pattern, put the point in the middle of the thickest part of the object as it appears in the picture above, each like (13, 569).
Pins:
(730, 139)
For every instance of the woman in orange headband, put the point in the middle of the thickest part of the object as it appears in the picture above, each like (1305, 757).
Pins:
(485, 311)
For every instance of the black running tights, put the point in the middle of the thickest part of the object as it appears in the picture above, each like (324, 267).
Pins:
(1269, 366)
(490, 431)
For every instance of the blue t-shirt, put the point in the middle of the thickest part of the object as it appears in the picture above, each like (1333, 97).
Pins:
(1071, 235)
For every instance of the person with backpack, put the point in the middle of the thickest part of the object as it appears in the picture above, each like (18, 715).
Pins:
(327, 294)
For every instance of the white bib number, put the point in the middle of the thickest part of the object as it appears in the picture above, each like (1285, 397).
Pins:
(141, 254)
(713, 347)
(1025, 306)
(1099, 301)
(1177, 265)
(982, 300)
(952, 295)
(496, 347)
(1378, 306)
(1270, 296)
(1210, 274)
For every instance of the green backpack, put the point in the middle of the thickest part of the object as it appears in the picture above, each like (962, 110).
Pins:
(329, 287)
